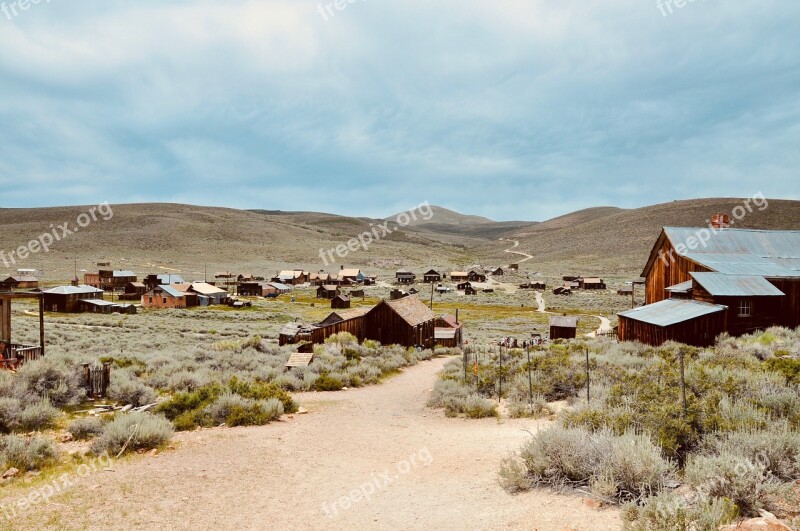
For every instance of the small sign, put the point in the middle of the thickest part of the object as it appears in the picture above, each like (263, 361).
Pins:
(475, 368)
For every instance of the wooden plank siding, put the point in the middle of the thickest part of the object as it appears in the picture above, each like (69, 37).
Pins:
(699, 332)
(385, 326)
(662, 275)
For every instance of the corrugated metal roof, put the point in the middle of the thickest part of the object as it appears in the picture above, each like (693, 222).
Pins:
(170, 279)
(672, 311)
(123, 274)
(279, 286)
(206, 289)
(564, 322)
(721, 285)
(683, 287)
(769, 253)
(97, 302)
(169, 290)
(73, 290)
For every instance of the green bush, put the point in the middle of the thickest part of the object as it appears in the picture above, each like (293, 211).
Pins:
(85, 428)
(56, 379)
(668, 511)
(477, 407)
(728, 476)
(128, 389)
(788, 367)
(26, 454)
(141, 431)
(326, 382)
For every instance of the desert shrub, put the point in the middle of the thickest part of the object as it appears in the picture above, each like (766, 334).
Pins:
(668, 511)
(519, 409)
(56, 379)
(786, 366)
(255, 413)
(26, 454)
(37, 416)
(257, 390)
(625, 466)
(445, 391)
(478, 407)
(10, 409)
(777, 449)
(513, 475)
(185, 381)
(144, 431)
(126, 388)
(728, 476)
(328, 382)
(84, 428)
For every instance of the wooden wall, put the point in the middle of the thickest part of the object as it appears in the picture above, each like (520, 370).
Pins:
(560, 332)
(5, 320)
(699, 332)
(384, 325)
(663, 275)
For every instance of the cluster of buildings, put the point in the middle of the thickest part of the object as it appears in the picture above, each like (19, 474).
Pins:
(404, 276)
(576, 282)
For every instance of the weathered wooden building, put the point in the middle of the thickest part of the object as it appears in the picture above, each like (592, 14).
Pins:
(66, 299)
(700, 282)
(432, 276)
(476, 276)
(448, 331)
(340, 302)
(403, 276)
(14, 354)
(591, 283)
(108, 280)
(327, 291)
(563, 327)
(459, 276)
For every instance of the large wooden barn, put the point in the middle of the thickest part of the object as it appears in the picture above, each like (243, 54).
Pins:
(700, 282)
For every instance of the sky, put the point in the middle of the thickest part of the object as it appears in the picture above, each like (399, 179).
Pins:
(514, 110)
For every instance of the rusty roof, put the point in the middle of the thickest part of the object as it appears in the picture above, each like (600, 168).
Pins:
(412, 310)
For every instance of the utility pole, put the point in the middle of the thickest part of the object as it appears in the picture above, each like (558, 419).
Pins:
(431, 296)
(530, 380)
(683, 386)
(587, 374)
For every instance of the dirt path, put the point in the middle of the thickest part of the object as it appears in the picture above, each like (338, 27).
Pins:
(279, 476)
(605, 326)
(540, 303)
(512, 251)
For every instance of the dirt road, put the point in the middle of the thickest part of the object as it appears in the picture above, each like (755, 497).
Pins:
(431, 472)
(512, 251)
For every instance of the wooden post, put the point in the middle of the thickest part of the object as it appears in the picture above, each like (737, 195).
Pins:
(500, 377)
(41, 323)
(587, 375)
(683, 386)
(633, 294)
(431, 295)
(530, 380)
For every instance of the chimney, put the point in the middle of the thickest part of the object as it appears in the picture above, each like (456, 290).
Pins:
(341, 267)
(720, 221)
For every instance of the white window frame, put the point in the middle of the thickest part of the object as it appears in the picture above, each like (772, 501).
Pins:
(745, 308)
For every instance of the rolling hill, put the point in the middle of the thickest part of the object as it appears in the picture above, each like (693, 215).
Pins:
(193, 239)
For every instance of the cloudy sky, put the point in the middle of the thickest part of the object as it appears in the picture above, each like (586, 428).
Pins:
(508, 109)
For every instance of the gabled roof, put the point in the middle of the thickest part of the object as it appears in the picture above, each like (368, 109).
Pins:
(169, 290)
(672, 311)
(412, 310)
(563, 321)
(206, 289)
(329, 287)
(721, 285)
(767, 253)
(72, 290)
(451, 321)
(432, 272)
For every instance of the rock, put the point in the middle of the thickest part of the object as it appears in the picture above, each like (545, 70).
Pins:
(758, 524)
(302, 411)
(10, 473)
(65, 437)
(153, 452)
(592, 503)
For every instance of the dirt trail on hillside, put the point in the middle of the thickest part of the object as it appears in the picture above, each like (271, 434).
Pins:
(279, 476)
(512, 251)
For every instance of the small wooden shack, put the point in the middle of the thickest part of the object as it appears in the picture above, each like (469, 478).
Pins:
(340, 302)
(432, 276)
(592, 283)
(403, 276)
(563, 327)
(327, 291)
(475, 276)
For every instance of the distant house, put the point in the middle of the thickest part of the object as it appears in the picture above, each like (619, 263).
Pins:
(432, 276)
(133, 291)
(352, 276)
(563, 327)
(448, 332)
(327, 291)
(66, 299)
(355, 293)
(396, 294)
(162, 297)
(463, 285)
(343, 315)
(534, 284)
(404, 277)
(215, 295)
(109, 280)
(293, 277)
(476, 276)
(562, 290)
(340, 302)
(513, 267)
(625, 290)
(459, 276)
(498, 272)
(592, 283)
(738, 281)
(25, 282)
(469, 290)
(318, 279)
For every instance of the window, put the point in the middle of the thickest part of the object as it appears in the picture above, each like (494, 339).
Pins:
(745, 308)
(151, 300)
(165, 300)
